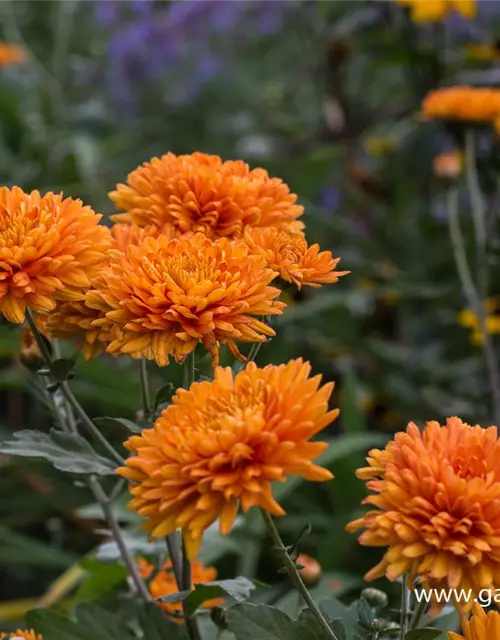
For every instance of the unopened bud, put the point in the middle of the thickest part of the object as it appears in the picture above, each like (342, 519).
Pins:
(448, 165)
(375, 597)
(311, 569)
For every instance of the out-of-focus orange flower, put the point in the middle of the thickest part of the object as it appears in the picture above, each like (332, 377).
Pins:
(223, 443)
(165, 296)
(437, 499)
(145, 568)
(462, 103)
(436, 10)
(164, 584)
(311, 569)
(480, 626)
(11, 54)
(50, 249)
(200, 192)
(448, 165)
(23, 635)
(292, 258)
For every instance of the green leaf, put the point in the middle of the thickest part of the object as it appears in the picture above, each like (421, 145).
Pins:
(102, 579)
(17, 549)
(118, 422)
(308, 628)
(156, 626)
(338, 449)
(353, 418)
(426, 633)
(164, 394)
(91, 622)
(66, 451)
(61, 368)
(252, 621)
(239, 589)
(336, 610)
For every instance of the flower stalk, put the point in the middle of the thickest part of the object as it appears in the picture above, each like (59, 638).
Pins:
(145, 392)
(294, 575)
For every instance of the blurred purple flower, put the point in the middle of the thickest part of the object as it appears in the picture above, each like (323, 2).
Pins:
(330, 198)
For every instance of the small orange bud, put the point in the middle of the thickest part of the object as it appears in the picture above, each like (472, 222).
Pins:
(311, 569)
(448, 165)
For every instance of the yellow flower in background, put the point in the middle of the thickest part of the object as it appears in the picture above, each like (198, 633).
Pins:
(468, 319)
(462, 103)
(483, 52)
(293, 258)
(11, 54)
(202, 193)
(436, 495)
(436, 10)
(23, 635)
(50, 249)
(222, 444)
(480, 626)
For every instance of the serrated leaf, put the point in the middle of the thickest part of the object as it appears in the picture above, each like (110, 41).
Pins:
(425, 633)
(239, 589)
(66, 451)
(156, 626)
(250, 621)
(118, 422)
(102, 578)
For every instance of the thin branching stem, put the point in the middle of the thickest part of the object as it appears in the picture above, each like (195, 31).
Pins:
(294, 575)
(145, 392)
(473, 299)
(418, 614)
(404, 608)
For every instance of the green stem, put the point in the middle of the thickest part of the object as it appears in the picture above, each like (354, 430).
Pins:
(189, 370)
(478, 207)
(473, 300)
(291, 569)
(145, 393)
(404, 608)
(417, 614)
(68, 424)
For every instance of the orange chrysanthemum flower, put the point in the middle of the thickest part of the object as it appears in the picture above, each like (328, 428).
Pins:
(438, 507)
(50, 249)
(165, 296)
(292, 258)
(11, 54)
(223, 443)
(164, 584)
(201, 193)
(21, 635)
(462, 103)
(480, 626)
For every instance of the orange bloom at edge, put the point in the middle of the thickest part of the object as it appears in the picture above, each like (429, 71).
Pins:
(222, 444)
(479, 626)
(50, 249)
(437, 507)
(11, 54)
(24, 635)
(202, 193)
(164, 297)
(292, 258)
(462, 103)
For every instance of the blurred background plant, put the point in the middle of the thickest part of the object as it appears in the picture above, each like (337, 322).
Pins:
(327, 96)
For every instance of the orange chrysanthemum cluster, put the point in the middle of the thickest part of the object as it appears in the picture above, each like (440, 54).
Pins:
(21, 635)
(480, 626)
(437, 499)
(223, 443)
(11, 54)
(193, 258)
(292, 258)
(201, 193)
(163, 583)
(50, 249)
(476, 105)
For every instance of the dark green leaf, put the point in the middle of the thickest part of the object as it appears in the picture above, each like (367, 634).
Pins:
(239, 589)
(252, 621)
(425, 633)
(156, 626)
(164, 394)
(54, 625)
(102, 579)
(60, 369)
(118, 422)
(66, 451)
(307, 627)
